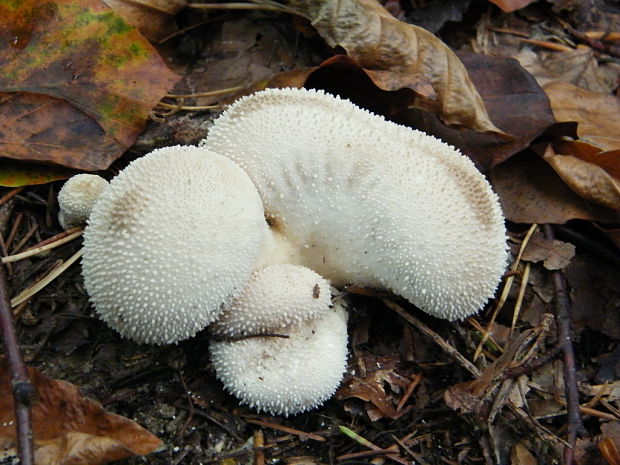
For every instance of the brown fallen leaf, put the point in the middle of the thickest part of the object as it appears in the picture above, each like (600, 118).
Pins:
(514, 100)
(415, 57)
(531, 192)
(521, 455)
(94, 79)
(511, 5)
(153, 18)
(370, 388)
(598, 114)
(68, 428)
(554, 254)
(589, 180)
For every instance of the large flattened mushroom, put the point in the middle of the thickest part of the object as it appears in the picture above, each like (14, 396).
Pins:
(170, 242)
(365, 201)
(280, 347)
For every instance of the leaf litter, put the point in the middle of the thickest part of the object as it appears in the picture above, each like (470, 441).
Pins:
(513, 412)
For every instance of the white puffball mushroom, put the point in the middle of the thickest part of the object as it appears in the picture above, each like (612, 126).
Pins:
(77, 197)
(285, 376)
(170, 242)
(274, 297)
(365, 201)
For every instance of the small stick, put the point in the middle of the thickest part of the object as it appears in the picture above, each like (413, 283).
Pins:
(366, 443)
(366, 453)
(211, 93)
(12, 193)
(530, 367)
(44, 248)
(188, 107)
(447, 348)
(24, 239)
(286, 429)
(575, 426)
(23, 391)
(412, 385)
(259, 442)
(27, 293)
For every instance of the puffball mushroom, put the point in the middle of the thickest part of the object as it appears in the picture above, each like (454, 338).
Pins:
(365, 201)
(170, 242)
(275, 374)
(274, 297)
(77, 197)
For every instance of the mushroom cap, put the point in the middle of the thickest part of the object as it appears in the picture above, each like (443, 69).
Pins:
(77, 197)
(273, 298)
(286, 376)
(171, 241)
(367, 201)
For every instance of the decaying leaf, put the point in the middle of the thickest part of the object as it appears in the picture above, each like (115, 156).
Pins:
(515, 102)
(370, 388)
(69, 429)
(554, 254)
(511, 5)
(521, 455)
(153, 18)
(531, 192)
(17, 174)
(598, 114)
(94, 77)
(587, 179)
(414, 57)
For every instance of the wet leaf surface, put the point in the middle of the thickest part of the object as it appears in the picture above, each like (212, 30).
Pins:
(77, 84)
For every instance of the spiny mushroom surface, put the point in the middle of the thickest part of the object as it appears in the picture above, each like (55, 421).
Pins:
(275, 297)
(171, 241)
(285, 376)
(366, 201)
(77, 197)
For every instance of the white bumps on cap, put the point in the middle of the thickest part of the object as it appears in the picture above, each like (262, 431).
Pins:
(366, 201)
(285, 376)
(171, 241)
(275, 297)
(77, 197)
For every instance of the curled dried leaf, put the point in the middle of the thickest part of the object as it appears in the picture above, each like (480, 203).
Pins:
(415, 57)
(587, 179)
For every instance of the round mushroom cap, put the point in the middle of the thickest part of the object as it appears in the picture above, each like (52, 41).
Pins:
(367, 201)
(285, 376)
(274, 297)
(77, 197)
(171, 242)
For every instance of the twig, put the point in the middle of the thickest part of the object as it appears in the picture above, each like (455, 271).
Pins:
(530, 367)
(447, 348)
(27, 293)
(12, 193)
(286, 429)
(259, 441)
(366, 443)
(575, 426)
(210, 93)
(44, 248)
(23, 391)
(412, 385)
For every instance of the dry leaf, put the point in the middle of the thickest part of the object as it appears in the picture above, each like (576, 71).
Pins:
(153, 18)
(587, 179)
(521, 455)
(370, 388)
(598, 114)
(531, 192)
(515, 102)
(413, 56)
(77, 82)
(69, 429)
(511, 5)
(554, 253)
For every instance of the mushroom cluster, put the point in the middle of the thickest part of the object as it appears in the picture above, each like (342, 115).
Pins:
(291, 188)
(284, 349)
